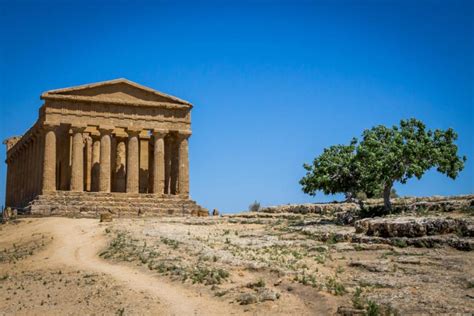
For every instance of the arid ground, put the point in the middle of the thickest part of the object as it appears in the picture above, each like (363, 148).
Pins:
(278, 265)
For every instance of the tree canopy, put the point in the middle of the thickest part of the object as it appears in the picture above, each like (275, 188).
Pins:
(334, 171)
(383, 156)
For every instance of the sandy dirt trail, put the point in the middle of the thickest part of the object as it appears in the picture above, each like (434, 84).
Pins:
(77, 243)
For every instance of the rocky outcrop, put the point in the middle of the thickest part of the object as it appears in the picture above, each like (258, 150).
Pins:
(429, 204)
(414, 227)
(311, 208)
(419, 232)
(465, 243)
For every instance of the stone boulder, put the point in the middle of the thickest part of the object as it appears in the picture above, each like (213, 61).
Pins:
(203, 212)
(9, 214)
(105, 217)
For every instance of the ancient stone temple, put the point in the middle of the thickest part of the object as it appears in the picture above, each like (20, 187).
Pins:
(113, 146)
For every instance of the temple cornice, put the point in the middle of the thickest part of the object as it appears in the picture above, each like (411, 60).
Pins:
(138, 103)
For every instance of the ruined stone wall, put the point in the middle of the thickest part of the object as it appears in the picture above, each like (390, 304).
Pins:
(433, 203)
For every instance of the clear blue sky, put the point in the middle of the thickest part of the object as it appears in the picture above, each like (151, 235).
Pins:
(272, 83)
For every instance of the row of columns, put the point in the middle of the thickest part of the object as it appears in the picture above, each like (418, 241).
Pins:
(24, 170)
(101, 154)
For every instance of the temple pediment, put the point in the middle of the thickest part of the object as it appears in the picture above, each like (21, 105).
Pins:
(121, 91)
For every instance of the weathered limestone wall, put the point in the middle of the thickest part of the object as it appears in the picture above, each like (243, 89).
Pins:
(441, 203)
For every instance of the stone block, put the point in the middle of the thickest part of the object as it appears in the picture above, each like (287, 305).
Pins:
(105, 217)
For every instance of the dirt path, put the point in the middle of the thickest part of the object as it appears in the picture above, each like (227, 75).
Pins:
(77, 243)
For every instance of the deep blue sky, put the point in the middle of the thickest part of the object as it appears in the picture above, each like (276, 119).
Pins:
(272, 83)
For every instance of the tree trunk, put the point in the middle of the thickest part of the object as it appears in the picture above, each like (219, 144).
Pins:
(349, 196)
(386, 198)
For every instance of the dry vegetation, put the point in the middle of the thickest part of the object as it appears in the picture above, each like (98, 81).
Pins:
(247, 264)
(249, 261)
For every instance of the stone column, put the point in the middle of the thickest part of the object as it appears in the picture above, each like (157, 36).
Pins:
(183, 180)
(24, 155)
(29, 183)
(9, 184)
(37, 164)
(113, 162)
(40, 160)
(105, 173)
(120, 165)
(34, 167)
(18, 177)
(49, 159)
(168, 156)
(11, 189)
(144, 167)
(95, 164)
(22, 174)
(88, 164)
(174, 173)
(133, 161)
(77, 172)
(19, 173)
(159, 161)
(151, 149)
(26, 184)
(31, 175)
(14, 179)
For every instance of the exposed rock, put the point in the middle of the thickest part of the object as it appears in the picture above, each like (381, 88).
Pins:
(345, 212)
(326, 233)
(465, 244)
(8, 214)
(265, 294)
(361, 247)
(372, 266)
(247, 298)
(344, 247)
(349, 311)
(319, 248)
(105, 217)
(203, 212)
(215, 212)
(408, 260)
(470, 283)
(319, 208)
(278, 282)
(412, 226)
(348, 217)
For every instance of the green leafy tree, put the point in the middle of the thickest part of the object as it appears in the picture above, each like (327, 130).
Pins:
(388, 155)
(383, 157)
(334, 171)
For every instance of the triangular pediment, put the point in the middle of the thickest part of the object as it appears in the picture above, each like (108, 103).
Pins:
(115, 91)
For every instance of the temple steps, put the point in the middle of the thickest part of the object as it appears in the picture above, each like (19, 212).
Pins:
(92, 204)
